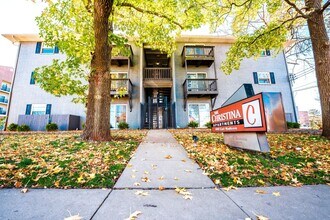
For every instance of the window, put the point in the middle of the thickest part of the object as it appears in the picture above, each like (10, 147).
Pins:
(43, 48)
(195, 85)
(118, 84)
(5, 87)
(264, 78)
(117, 114)
(38, 109)
(199, 112)
(32, 79)
(265, 53)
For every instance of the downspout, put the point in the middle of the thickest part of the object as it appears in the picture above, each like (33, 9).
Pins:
(291, 91)
(12, 85)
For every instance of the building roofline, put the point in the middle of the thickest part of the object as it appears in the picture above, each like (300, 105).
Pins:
(14, 38)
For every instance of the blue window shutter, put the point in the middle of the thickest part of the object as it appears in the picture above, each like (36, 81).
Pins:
(268, 52)
(28, 109)
(272, 77)
(38, 47)
(32, 80)
(48, 109)
(255, 77)
(56, 50)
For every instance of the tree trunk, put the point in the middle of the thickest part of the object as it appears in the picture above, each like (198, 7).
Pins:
(98, 100)
(321, 50)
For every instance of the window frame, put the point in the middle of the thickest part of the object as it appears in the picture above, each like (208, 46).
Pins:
(198, 103)
(33, 106)
(268, 78)
(126, 114)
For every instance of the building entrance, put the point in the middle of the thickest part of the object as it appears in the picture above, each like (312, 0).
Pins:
(158, 113)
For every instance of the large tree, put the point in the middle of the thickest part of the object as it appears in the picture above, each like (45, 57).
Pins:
(88, 30)
(269, 24)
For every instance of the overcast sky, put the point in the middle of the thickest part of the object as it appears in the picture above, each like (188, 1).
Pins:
(18, 16)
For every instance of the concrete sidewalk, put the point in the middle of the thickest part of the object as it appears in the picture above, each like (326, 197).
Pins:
(161, 162)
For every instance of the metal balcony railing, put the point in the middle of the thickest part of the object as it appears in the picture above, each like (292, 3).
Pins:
(198, 51)
(157, 74)
(200, 85)
(122, 87)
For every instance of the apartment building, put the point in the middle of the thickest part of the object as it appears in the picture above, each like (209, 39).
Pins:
(161, 90)
(6, 77)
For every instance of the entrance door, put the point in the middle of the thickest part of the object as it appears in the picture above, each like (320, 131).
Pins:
(157, 109)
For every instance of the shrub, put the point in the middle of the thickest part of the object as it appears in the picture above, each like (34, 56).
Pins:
(293, 124)
(208, 125)
(193, 124)
(123, 125)
(51, 127)
(12, 127)
(23, 127)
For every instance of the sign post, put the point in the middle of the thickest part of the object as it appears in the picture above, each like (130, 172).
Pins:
(245, 122)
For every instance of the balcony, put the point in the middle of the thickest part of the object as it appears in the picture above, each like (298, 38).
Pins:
(200, 88)
(157, 78)
(120, 58)
(122, 87)
(5, 88)
(197, 56)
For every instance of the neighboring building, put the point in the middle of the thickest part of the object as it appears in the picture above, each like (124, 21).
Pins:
(162, 91)
(304, 119)
(6, 77)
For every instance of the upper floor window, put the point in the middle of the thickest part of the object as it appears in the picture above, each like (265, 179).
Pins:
(265, 53)
(43, 48)
(5, 87)
(264, 78)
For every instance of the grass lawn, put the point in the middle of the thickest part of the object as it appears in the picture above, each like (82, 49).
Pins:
(64, 160)
(295, 159)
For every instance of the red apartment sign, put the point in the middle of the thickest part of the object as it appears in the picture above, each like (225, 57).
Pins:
(242, 116)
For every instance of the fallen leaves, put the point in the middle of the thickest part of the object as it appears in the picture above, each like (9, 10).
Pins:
(145, 179)
(258, 191)
(141, 193)
(137, 184)
(276, 194)
(74, 217)
(229, 188)
(134, 215)
(24, 190)
(295, 159)
(168, 157)
(182, 191)
(161, 188)
(64, 160)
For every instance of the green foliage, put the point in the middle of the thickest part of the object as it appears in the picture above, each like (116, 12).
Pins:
(208, 125)
(51, 127)
(23, 127)
(12, 127)
(292, 124)
(192, 124)
(2, 122)
(69, 25)
(123, 125)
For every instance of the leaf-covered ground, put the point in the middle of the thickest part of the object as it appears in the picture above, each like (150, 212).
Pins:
(295, 159)
(64, 160)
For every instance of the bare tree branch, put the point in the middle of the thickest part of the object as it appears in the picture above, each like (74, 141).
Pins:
(296, 8)
(327, 4)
